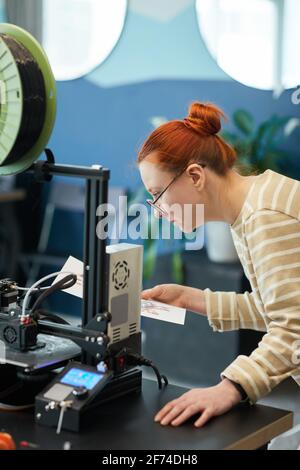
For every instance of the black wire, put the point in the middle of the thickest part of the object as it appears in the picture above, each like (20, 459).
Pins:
(12, 389)
(34, 99)
(138, 359)
(44, 315)
(65, 283)
(158, 375)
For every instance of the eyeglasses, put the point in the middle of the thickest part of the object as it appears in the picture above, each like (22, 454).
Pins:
(153, 204)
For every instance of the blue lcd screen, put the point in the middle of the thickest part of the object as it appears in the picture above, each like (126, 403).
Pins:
(81, 378)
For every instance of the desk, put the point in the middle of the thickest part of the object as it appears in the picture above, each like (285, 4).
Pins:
(127, 424)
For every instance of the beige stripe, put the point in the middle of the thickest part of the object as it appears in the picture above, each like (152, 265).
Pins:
(276, 193)
(270, 348)
(293, 308)
(242, 311)
(283, 343)
(270, 241)
(232, 312)
(220, 310)
(290, 295)
(260, 213)
(291, 196)
(265, 361)
(262, 191)
(248, 378)
(275, 270)
(251, 314)
(262, 374)
(237, 228)
(272, 225)
(273, 287)
(290, 251)
(258, 303)
(208, 305)
(248, 206)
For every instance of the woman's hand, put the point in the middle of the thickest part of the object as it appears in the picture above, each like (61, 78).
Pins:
(212, 401)
(181, 296)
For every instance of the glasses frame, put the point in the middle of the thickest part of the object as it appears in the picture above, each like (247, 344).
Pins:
(153, 204)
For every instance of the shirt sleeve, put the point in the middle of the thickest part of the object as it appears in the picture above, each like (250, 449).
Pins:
(273, 241)
(227, 311)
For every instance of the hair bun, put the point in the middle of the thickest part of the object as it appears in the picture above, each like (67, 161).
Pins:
(204, 118)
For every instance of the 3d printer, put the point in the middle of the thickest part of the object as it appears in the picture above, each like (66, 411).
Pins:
(66, 370)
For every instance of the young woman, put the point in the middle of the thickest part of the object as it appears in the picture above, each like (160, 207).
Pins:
(187, 162)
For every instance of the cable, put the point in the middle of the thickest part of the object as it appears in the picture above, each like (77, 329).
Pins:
(43, 315)
(37, 283)
(38, 289)
(4, 407)
(62, 284)
(11, 389)
(137, 359)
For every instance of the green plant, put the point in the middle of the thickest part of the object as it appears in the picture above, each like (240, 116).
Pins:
(258, 148)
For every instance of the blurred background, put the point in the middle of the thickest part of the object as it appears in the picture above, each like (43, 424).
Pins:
(123, 68)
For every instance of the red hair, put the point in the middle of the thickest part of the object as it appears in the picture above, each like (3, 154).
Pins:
(192, 139)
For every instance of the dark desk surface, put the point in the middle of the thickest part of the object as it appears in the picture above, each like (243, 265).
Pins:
(127, 424)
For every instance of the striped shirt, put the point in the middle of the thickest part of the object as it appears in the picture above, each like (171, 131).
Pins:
(266, 235)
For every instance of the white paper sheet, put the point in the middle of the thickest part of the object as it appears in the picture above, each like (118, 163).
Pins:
(164, 312)
(74, 266)
(149, 308)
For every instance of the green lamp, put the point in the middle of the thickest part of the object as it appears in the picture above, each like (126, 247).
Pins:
(27, 99)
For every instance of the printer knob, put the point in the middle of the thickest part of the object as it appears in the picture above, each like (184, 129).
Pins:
(80, 393)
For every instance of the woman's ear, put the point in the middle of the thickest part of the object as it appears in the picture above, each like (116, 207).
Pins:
(197, 174)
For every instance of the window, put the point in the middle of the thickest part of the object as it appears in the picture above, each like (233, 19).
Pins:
(256, 42)
(78, 35)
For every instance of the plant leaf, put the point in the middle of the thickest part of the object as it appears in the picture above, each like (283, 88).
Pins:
(150, 261)
(244, 121)
(178, 267)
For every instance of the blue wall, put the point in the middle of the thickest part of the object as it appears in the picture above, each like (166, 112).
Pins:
(107, 125)
(159, 65)
(2, 11)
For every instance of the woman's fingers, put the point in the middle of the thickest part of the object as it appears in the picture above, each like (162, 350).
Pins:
(173, 414)
(153, 293)
(165, 410)
(205, 416)
(146, 294)
(164, 413)
(185, 415)
(178, 411)
(212, 401)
